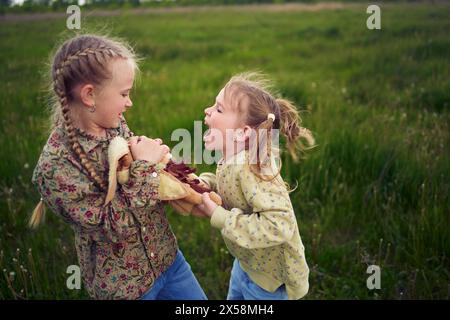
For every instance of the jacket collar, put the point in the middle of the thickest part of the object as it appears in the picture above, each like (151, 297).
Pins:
(89, 142)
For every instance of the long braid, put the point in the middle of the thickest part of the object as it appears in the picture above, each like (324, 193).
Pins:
(60, 90)
(76, 147)
(85, 59)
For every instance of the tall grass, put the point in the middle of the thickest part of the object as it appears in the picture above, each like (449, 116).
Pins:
(374, 191)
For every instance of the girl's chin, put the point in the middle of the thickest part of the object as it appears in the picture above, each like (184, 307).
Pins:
(115, 125)
(118, 121)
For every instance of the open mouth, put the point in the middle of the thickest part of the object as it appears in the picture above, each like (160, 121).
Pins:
(210, 135)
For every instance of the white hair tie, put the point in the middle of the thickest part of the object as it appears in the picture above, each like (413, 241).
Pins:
(271, 116)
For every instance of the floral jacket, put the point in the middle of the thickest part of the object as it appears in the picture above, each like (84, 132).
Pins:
(122, 247)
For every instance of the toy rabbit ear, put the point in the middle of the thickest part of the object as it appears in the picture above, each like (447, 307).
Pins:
(118, 147)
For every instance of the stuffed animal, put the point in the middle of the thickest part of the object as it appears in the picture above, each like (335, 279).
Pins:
(178, 183)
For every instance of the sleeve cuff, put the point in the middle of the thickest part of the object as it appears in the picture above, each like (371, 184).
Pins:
(143, 185)
(218, 217)
(142, 170)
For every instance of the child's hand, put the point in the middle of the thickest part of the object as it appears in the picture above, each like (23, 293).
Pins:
(144, 148)
(208, 206)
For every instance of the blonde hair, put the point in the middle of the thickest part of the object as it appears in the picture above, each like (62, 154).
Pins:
(82, 59)
(253, 95)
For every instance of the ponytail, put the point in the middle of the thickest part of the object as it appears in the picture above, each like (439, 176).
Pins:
(291, 129)
(261, 152)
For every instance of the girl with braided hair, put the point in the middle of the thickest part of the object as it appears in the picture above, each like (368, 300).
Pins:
(257, 220)
(126, 249)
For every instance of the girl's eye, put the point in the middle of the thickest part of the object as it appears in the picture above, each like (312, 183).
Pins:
(124, 95)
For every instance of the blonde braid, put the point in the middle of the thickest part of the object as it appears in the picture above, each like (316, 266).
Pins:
(60, 90)
(98, 53)
(82, 59)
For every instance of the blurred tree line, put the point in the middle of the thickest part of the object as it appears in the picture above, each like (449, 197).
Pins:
(60, 5)
(11, 6)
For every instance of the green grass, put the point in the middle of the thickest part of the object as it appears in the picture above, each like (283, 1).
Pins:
(374, 191)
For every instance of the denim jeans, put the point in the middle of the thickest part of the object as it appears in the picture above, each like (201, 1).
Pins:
(243, 288)
(176, 283)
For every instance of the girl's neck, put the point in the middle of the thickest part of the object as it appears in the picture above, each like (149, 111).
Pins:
(238, 147)
(85, 124)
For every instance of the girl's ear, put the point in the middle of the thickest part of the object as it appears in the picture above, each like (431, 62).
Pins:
(87, 95)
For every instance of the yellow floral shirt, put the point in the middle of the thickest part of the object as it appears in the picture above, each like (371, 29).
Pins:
(122, 247)
(259, 227)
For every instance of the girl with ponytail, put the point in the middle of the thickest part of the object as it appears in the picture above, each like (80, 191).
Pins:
(126, 249)
(257, 220)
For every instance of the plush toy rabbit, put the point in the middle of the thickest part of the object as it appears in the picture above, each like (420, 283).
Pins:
(178, 183)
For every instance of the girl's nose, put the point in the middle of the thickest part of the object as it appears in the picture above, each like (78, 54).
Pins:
(129, 103)
(208, 111)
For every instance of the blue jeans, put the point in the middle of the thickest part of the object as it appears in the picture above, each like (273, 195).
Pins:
(176, 283)
(243, 288)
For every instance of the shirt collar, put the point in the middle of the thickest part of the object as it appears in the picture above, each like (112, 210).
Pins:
(89, 142)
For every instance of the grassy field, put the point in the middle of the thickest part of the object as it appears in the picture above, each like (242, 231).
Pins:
(374, 191)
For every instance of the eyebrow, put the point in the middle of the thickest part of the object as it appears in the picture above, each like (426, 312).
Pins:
(220, 104)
